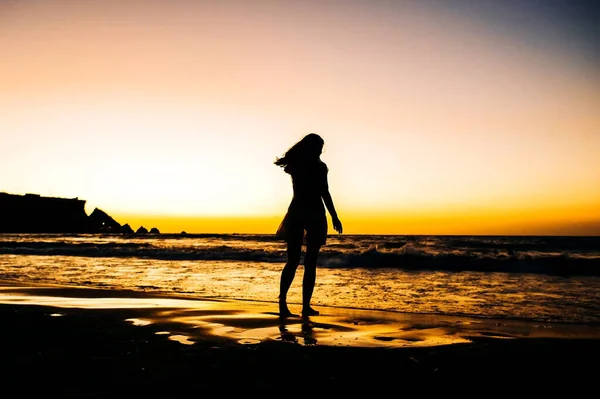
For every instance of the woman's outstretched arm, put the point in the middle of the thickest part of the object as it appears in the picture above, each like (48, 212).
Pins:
(326, 195)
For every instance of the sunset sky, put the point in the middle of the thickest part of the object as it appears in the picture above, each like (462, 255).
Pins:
(439, 116)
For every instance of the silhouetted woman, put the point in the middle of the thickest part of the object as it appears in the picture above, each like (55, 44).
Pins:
(305, 218)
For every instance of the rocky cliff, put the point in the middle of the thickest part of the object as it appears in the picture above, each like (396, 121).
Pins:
(32, 213)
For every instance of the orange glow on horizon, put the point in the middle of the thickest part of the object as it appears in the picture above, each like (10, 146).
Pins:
(547, 221)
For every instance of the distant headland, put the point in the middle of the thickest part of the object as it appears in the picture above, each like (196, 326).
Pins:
(33, 213)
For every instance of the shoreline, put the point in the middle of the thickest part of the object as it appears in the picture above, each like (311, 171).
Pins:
(248, 321)
(103, 342)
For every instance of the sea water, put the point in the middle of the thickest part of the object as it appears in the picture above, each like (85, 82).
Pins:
(551, 279)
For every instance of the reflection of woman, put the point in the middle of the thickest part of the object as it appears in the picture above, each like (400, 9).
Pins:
(306, 213)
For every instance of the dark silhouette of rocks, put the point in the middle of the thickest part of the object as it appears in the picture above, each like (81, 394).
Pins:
(141, 230)
(126, 228)
(32, 213)
(154, 230)
(104, 223)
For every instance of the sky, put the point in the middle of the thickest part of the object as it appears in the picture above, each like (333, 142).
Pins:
(439, 116)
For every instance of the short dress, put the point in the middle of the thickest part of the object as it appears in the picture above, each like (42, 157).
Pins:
(306, 218)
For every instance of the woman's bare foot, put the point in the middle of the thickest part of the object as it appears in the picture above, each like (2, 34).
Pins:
(308, 311)
(284, 311)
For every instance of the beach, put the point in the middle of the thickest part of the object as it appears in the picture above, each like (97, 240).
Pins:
(83, 342)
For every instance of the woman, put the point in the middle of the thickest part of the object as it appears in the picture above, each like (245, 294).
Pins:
(306, 214)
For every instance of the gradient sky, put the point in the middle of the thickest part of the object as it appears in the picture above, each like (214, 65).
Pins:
(439, 117)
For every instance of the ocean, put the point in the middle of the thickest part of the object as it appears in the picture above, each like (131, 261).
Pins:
(541, 278)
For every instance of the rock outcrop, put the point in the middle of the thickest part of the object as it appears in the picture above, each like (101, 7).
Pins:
(126, 228)
(101, 222)
(32, 213)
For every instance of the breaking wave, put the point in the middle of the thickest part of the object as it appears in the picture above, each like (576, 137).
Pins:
(555, 256)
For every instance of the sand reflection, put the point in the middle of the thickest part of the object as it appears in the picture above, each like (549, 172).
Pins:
(188, 320)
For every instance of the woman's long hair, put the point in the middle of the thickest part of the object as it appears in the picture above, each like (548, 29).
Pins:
(306, 150)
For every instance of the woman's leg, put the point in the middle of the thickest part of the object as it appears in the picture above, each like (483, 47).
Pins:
(294, 250)
(310, 277)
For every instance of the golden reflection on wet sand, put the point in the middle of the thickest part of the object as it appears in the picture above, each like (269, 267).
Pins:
(247, 322)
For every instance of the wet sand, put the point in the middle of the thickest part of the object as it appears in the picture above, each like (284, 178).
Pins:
(81, 342)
